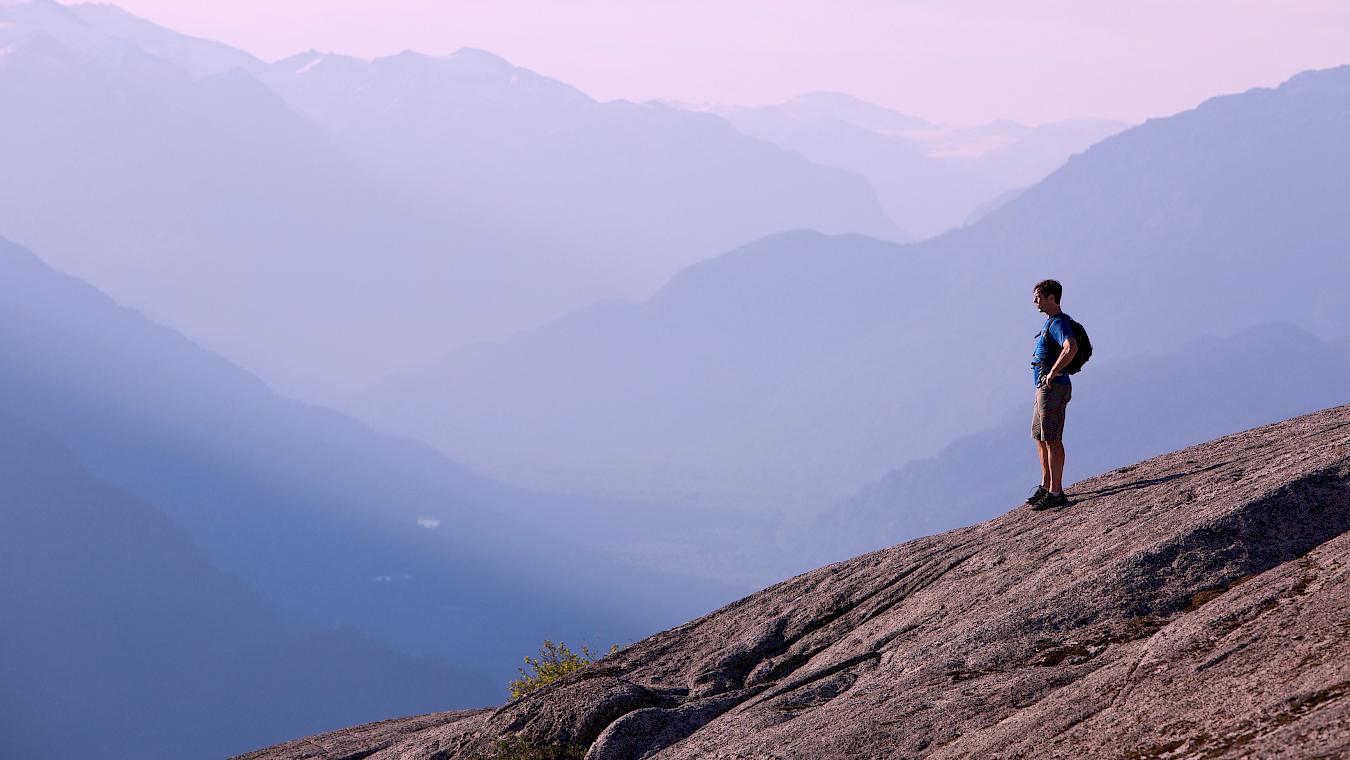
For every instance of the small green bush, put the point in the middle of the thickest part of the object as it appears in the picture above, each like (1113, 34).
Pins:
(554, 662)
(519, 748)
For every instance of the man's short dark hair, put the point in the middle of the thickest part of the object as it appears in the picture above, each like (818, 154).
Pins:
(1050, 288)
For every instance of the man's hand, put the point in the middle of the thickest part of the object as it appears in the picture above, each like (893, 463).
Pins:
(1066, 354)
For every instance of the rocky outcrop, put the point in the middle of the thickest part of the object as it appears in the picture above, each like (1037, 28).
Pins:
(371, 739)
(1193, 605)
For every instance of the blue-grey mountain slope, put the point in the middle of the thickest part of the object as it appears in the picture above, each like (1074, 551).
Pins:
(656, 398)
(638, 190)
(378, 214)
(867, 355)
(334, 525)
(121, 641)
(930, 178)
(210, 205)
(199, 57)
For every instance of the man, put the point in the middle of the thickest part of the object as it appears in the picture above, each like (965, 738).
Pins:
(1055, 348)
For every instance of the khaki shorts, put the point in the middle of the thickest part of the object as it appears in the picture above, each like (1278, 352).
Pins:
(1047, 414)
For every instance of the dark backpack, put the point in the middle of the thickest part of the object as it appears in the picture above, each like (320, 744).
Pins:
(1080, 337)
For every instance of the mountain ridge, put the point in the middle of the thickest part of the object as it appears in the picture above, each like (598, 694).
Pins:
(332, 524)
(1157, 241)
(198, 55)
(929, 177)
(385, 211)
(114, 614)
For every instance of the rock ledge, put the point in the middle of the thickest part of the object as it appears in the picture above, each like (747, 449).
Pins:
(1193, 605)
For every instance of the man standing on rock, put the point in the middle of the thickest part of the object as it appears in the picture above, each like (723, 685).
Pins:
(1055, 348)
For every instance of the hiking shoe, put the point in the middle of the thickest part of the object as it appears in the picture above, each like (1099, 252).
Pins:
(1037, 495)
(1052, 501)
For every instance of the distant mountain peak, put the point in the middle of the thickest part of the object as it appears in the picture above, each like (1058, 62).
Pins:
(38, 45)
(45, 5)
(852, 110)
(301, 63)
(466, 59)
(1003, 128)
(479, 55)
(299, 59)
(1337, 78)
(312, 63)
(196, 55)
(43, 17)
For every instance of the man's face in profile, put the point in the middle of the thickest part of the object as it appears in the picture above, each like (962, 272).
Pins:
(1041, 300)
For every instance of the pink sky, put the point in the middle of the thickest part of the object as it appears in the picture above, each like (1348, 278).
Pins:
(960, 61)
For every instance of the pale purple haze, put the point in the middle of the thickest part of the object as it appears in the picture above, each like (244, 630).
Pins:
(329, 387)
(960, 62)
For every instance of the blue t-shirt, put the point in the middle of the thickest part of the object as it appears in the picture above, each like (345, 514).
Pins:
(1049, 343)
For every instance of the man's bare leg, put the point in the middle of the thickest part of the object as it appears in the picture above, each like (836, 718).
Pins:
(1056, 468)
(1043, 449)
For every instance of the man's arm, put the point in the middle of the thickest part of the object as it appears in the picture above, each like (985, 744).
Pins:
(1066, 353)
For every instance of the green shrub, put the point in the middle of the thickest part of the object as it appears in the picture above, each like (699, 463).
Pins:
(554, 662)
(519, 748)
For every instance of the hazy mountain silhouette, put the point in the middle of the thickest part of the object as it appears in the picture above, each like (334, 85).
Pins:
(638, 190)
(120, 640)
(673, 396)
(929, 177)
(210, 205)
(863, 355)
(200, 57)
(839, 107)
(417, 204)
(334, 525)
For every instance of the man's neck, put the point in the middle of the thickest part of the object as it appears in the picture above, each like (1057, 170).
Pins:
(1053, 311)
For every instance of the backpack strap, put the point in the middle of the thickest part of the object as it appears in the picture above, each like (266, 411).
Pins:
(1045, 331)
(1068, 320)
